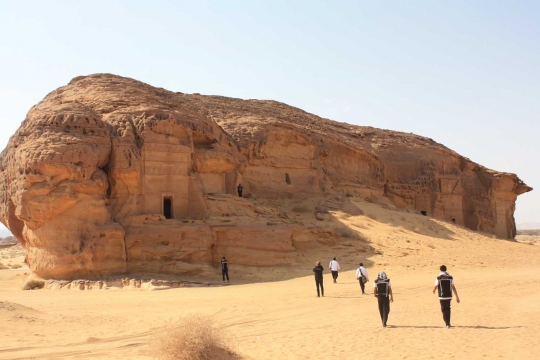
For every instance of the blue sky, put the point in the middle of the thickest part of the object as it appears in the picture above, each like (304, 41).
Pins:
(466, 74)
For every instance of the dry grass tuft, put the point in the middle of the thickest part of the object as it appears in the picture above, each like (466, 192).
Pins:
(195, 337)
(33, 284)
(3, 267)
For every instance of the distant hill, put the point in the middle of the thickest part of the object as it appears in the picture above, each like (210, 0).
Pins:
(10, 240)
(532, 232)
(528, 226)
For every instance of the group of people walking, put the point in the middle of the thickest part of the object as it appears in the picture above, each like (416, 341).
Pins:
(382, 288)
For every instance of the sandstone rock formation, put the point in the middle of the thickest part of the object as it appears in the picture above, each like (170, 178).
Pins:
(108, 175)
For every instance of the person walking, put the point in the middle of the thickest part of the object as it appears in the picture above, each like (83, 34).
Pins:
(225, 268)
(445, 284)
(382, 289)
(318, 270)
(240, 189)
(362, 277)
(334, 268)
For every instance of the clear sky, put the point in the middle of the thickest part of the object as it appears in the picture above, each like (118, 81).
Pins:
(464, 73)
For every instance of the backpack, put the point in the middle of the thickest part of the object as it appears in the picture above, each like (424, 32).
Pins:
(382, 287)
(445, 286)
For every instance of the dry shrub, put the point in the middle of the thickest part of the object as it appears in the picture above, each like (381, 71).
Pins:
(195, 337)
(3, 267)
(33, 284)
(16, 266)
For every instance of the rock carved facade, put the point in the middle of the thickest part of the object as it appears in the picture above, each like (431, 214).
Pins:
(108, 175)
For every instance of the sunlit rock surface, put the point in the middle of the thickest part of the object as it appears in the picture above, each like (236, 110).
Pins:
(108, 175)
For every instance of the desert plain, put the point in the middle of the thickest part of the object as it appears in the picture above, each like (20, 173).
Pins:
(274, 313)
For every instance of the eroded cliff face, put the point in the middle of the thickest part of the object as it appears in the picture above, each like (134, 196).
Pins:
(108, 175)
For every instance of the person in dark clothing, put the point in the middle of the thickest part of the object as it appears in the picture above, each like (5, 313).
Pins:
(318, 270)
(445, 284)
(383, 292)
(240, 188)
(225, 268)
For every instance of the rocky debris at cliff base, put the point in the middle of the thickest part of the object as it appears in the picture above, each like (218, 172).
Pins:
(123, 283)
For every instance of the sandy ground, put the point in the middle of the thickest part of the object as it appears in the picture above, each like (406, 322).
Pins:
(498, 282)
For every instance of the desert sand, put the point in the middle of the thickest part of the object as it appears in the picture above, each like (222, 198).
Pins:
(271, 318)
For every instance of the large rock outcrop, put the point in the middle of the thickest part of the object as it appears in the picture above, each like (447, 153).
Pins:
(108, 175)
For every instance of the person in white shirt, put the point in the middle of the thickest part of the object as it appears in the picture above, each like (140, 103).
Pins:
(445, 284)
(334, 268)
(362, 276)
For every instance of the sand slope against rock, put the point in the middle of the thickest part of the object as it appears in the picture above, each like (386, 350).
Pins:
(108, 175)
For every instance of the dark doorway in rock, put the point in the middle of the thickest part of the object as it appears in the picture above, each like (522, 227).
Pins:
(287, 179)
(453, 220)
(423, 212)
(168, 207)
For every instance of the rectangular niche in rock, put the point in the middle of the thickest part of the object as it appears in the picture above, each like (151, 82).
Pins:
(168, 207)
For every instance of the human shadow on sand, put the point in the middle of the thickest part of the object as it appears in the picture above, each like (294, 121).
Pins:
(456, 327)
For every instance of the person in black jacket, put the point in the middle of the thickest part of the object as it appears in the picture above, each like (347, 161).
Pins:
(225, 269)
(382, 290)
(240, 189)
(318, 270)
(445, 284)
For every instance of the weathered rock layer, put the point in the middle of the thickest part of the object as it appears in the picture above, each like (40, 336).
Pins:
(108, 175)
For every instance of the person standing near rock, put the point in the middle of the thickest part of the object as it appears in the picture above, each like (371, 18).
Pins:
(225, 268)
(382, 289)
(240, 189)
(445, 284)
(362, 277)
(318, 270)
(334, 268)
